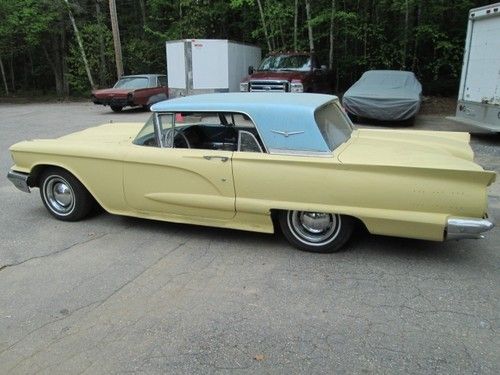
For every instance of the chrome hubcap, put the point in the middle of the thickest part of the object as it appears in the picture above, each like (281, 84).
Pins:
(59, 194)
(314, 228)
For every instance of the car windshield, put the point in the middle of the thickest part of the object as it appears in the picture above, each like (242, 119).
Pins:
(132, 83)
(333, 124)
(286, 62)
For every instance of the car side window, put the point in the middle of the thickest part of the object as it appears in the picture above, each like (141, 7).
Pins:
(148, 136)
(247, 142)
(208, 131)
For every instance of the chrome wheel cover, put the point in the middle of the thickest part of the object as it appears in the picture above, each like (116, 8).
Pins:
(314, 228)
(59, 195)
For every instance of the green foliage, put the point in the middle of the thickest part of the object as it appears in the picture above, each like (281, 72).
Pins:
(36, 37)
(77, 76)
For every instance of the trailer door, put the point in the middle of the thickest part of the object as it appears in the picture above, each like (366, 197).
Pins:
(482, 76)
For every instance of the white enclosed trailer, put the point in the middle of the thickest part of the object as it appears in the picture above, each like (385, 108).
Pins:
(479, 93)
(196, 66)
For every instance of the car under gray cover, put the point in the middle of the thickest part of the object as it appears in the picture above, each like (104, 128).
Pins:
(388, 95)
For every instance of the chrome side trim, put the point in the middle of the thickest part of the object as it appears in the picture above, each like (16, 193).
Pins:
(277, 151)
(20, 180)
(458, 228)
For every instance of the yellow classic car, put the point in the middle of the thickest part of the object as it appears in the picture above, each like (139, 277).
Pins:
(246, 161)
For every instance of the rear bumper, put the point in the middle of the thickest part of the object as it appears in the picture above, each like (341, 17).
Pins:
(20, 180)
(115, 102)
(458, 228)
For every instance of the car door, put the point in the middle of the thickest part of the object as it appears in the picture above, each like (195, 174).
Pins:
(180, 182)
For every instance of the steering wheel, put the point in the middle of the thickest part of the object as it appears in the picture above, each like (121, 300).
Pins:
(177, 135)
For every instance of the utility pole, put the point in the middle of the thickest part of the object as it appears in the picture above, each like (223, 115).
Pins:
(80, 45)
(116, 38)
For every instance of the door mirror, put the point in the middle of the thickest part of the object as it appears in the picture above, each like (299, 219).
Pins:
(250, 70)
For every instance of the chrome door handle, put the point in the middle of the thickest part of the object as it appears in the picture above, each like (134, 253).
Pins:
(222, 158)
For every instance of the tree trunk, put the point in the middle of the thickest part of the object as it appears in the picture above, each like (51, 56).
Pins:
(330, 54)
(80, 45)
(262, 18)
(295, 23)
(405, 36)
(64, 64)
(143, 14)
(102, 48)
(309, 27)
(4, 79)
(415, 41)
(12, 77)
(55, 70)
(116, 36)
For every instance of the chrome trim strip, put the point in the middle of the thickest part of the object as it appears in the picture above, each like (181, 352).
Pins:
(20, 180)
(458, 228)
(277, 151)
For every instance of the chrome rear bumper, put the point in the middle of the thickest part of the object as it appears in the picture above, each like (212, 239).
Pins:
(20, 180)
(458, 228)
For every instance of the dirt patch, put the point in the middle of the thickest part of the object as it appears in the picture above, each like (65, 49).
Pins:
(436, 105)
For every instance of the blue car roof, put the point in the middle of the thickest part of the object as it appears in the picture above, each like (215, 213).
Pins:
(274, 115)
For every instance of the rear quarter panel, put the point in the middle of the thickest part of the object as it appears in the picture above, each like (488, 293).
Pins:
(398, 201)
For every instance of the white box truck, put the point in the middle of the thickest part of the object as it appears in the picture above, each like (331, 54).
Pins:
(196, 66)
(479, 93)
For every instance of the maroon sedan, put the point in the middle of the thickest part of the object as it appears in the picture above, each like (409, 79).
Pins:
(137, 90)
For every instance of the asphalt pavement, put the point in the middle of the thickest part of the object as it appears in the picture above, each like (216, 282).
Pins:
(121, 295)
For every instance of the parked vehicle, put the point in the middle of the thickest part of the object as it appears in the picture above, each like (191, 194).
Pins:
(200, 66)
(240, 160)
(137, 90)
(387, 95)
(289, 72)
(479, 93)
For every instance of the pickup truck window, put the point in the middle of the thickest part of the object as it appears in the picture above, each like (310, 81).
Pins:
(162, 81)
(286, 62)
(333, 125)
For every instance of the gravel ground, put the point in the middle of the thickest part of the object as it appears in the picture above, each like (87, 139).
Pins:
(121, 295)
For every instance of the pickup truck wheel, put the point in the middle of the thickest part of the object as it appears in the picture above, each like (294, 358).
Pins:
(116, 108)
(64, 196)
(316, 231)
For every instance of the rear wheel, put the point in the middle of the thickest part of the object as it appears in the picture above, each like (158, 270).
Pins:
(64, 196)
(316, 231)
(116, 108)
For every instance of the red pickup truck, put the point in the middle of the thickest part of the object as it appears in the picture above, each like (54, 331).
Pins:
(289, 72)
(137, 90)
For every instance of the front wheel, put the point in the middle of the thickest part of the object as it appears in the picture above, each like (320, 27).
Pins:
(316, 231)
(64, 196)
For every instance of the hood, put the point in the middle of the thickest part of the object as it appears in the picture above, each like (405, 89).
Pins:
(276, 74)
(411, 149)
(109, 133)
(111, 92)
(382, 93)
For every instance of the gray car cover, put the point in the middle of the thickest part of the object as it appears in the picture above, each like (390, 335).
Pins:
(388, 95)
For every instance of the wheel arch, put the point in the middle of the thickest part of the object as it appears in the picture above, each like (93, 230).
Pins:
(38, 169)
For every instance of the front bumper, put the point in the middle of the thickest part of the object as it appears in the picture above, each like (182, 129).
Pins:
(20, 180)
(458, 228)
